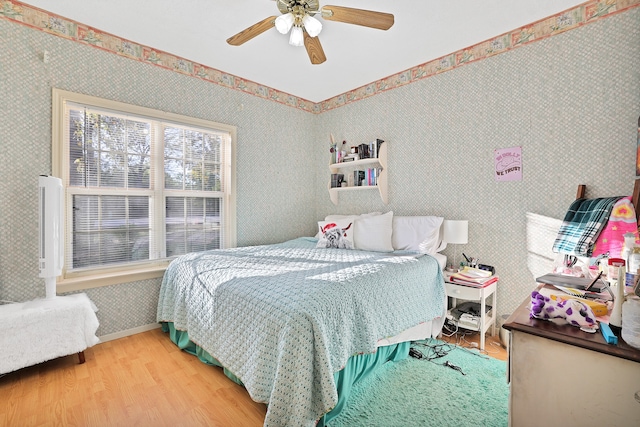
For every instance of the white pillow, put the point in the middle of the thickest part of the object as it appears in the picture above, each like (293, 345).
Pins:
(417, 233)
(373, 233)
(350, 217)
(335, 234)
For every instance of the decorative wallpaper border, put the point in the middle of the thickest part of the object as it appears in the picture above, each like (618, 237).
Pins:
(572, 18)
(42, 20)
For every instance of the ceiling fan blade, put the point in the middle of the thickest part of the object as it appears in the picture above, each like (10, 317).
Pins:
(366, 18)
(314, 49)
(254, 30)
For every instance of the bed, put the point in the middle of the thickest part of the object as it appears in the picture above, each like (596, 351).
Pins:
(296, 324)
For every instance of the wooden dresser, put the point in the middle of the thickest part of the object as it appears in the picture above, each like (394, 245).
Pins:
(560, 375)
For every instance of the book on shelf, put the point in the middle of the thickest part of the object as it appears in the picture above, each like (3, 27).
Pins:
(370, 150)
(366, 178)
(372, 176)
(336, 180)
(375, 146)
(363, 151)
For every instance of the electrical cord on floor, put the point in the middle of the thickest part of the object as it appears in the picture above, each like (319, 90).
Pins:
(451, 328)
(495, 344)
(474, 345)
(469, 346)
(431, 352)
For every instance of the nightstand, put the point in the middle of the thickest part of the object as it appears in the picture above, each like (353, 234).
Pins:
(470, 293)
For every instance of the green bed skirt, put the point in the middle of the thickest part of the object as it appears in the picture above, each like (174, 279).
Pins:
(357, 367)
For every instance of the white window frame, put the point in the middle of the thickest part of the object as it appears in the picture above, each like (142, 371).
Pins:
(96, 277)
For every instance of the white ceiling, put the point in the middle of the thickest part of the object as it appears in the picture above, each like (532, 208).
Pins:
(197, 30)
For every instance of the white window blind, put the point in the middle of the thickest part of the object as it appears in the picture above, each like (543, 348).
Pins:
(193, 182)
(139, 188)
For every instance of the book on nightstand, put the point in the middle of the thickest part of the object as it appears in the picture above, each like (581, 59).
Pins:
(474, 283)
(477, 278)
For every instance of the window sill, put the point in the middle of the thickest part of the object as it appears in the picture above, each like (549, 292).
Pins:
(107, 279)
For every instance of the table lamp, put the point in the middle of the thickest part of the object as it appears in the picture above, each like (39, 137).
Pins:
(455, 232)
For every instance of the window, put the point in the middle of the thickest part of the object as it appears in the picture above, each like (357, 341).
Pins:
(141, 186)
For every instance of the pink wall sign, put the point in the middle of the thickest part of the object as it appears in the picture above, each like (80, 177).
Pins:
(508, 162)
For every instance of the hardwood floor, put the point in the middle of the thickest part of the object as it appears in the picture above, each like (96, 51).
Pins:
(142, 380)
(471, 340)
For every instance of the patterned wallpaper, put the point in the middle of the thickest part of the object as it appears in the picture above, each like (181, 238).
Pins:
(585, 13)
(273, 164)
(43, 20)
(570, 101)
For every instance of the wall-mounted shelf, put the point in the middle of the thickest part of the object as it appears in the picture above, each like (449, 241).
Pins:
(382, 182)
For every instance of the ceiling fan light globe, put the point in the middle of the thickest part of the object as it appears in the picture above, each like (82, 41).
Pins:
(312, 25)
(297, 37)
(284, 23)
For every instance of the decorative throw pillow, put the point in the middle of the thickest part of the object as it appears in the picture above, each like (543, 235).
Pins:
(335, 234)
(352, 218)
(373, 233)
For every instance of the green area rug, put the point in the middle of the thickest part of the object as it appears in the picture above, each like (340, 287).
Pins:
(418, 392)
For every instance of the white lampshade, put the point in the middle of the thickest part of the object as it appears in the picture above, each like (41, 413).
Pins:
(284, 23)
(296, 38)
(456, 231)
(312, 25)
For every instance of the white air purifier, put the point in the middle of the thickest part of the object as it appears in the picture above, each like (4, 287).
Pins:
(51, 231)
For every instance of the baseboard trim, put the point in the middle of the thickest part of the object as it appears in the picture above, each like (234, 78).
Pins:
(128, 332)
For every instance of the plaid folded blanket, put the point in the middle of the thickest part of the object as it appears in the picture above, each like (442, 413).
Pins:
(582, 224)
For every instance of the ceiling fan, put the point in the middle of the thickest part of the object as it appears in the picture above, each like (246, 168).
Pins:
(298, 17)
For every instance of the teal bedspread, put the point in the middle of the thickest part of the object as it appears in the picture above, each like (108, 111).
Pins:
(284, 318)
(357, 368)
